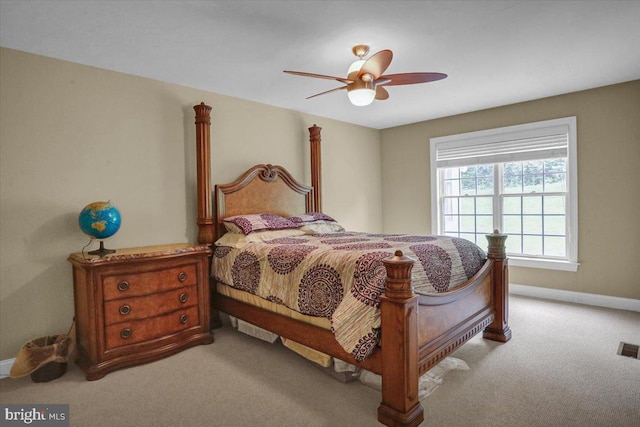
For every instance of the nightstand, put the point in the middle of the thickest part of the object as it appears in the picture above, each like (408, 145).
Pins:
(138, 305)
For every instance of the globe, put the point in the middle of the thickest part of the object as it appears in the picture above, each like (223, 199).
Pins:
(99, 220)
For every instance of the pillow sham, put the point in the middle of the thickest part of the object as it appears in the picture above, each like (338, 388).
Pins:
(238, 240)
(311, 217)
(317, 227)
(257, 222)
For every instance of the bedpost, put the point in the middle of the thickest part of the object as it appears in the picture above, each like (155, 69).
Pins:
(499, 329)
(316, 166)
(399, 310)
(206, 230)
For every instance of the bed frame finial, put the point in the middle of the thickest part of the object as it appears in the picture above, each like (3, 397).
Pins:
(206, 226)
(316, 166)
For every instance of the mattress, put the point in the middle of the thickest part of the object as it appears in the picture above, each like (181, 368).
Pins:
(339, 277)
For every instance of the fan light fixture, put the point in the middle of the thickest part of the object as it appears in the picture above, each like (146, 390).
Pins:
(360, 93)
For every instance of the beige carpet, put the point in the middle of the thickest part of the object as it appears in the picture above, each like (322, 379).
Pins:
(560, 369)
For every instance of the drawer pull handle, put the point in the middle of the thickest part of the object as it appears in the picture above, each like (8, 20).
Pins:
(183, 319)
(125, 309)
(184, 298)
(125, 333)
(123, 286)
(182, 276)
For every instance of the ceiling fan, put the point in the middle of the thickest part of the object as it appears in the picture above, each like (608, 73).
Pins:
(365, 81)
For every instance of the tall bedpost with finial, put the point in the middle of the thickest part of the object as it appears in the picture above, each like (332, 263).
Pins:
(499, 329)
(316, 166)
(206, 227)
(399, 313)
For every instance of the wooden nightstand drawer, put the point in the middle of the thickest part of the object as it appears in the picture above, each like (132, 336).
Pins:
(135, 331)
(127, 309)
(136, 284)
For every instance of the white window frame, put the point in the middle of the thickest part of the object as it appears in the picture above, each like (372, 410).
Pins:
(502, 134)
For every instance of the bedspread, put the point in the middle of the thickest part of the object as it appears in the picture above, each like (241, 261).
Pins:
(341, 276)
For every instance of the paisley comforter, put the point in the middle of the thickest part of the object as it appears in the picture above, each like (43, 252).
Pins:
(340, 276)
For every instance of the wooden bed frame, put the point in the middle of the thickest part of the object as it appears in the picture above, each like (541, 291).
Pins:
(417, 330)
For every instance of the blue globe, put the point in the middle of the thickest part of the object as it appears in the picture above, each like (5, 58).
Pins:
(99, 220)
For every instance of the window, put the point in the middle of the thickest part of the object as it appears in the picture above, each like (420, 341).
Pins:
(521, 180)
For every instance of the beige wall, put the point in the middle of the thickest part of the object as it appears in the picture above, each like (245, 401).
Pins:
(72, 134)
(608, 121)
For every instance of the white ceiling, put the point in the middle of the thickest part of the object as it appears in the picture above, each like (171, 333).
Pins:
(495, 52)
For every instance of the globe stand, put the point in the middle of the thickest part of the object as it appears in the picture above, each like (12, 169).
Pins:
(102, 251)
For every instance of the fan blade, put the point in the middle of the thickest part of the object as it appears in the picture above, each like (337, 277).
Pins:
(377, 64)
(329, 91)
(382, 82)
(319, 76)
(381, 93)
(412, 78)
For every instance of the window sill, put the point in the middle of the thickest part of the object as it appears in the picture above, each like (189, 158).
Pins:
(546, 264)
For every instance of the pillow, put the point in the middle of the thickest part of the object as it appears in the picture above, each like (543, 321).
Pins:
(321, 227)
(311, 217)
(238, 240)
(257, 222)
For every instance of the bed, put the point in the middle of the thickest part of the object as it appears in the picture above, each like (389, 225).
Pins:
(416, 329)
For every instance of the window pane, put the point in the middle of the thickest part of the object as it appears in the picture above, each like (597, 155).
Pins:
(531, 245)
(468, 172)
(451, 187)
(452, 173)
(467, 205)
(512, 224)
(468, 186)
(555, 246)
(532, 224)
(532, 205)
(555, 182)
(485, 185)
(467, 224)
(554, 225)
(554, 204)
(450, 223)
(450, 206)
(485, 170)
(512, 205)
(533, 183)
(484, 205)
(514, 244)
(512, 184)
(514, 168)
(555, 165)
(533, 167)
(484, 224)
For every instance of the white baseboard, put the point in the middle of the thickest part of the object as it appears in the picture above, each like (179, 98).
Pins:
(576, 297)
(5, 367)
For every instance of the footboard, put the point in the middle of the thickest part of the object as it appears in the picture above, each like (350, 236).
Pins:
(420, 330)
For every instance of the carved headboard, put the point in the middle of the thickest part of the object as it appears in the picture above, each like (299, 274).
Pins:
(262, 189)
